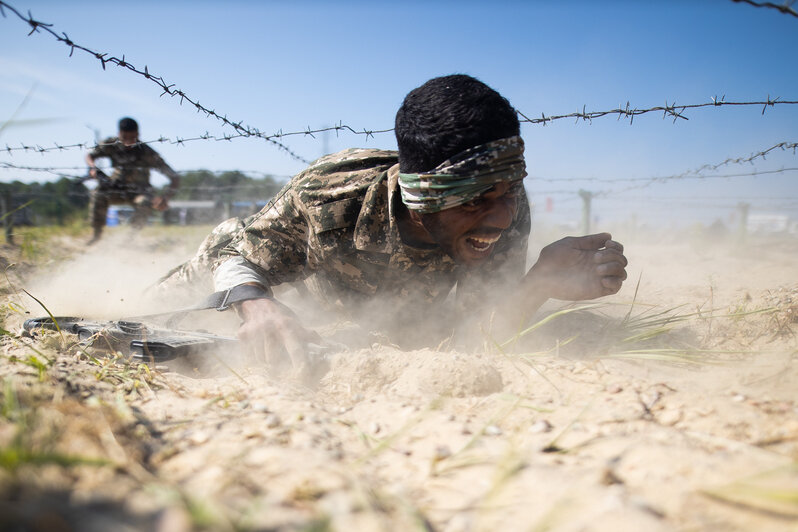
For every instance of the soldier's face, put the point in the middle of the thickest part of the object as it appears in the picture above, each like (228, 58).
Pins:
(469, 232)
(129, 138)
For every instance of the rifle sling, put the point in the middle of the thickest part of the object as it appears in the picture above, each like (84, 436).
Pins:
(221, 301)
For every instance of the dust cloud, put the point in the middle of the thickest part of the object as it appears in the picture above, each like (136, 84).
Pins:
(111, 278)
(670, 405)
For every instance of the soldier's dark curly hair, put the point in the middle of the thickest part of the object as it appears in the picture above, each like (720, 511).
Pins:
(128, 124)
(447, 115)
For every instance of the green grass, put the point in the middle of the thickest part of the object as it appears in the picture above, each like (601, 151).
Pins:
(32, 445)
(645, 332)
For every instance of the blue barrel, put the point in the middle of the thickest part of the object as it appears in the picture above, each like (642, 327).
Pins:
(112, 217)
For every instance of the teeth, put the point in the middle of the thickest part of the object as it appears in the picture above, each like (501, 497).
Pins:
(485, 240)
(482, 244)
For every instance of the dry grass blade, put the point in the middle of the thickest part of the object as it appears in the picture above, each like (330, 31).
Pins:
(57, 327)
(773, 492)
(551, 317)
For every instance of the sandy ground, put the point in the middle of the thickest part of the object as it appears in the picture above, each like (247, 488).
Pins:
(601, 419)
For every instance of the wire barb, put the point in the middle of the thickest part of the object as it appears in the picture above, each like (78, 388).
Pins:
(785, 8)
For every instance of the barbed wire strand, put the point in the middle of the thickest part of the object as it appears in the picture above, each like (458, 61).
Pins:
(672, 110)
(721, 176)
(178, 140)
(694, 173)
(58, 170)
(785, 8)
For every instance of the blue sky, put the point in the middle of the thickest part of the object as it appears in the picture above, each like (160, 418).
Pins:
(293, 65)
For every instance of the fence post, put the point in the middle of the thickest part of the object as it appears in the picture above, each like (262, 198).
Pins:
(8, 217)
(742, 232)
(587, 196)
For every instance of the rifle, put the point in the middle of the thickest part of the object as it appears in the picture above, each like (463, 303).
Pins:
(102, 178)
(153, 344)
(137, 340)
(106, 183)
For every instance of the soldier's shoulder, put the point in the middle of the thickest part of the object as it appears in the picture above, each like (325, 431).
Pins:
(352, 159)
(345, 174)
(106, 143)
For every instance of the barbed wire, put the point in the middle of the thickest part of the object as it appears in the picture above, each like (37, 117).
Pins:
(245, 131)
(673, 110)
(255, 174)
(631, 113)
(37, 148)
(785, 8)
(167, 88)
(666, 199)
(649, 182)
(694, 173)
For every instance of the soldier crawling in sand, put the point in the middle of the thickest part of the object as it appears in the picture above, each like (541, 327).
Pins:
(384, 236)
(130, 181)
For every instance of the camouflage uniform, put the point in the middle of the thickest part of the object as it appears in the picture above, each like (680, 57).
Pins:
(130, 181)
(334, 227)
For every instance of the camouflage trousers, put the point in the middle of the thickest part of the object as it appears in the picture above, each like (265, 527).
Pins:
(101, 198)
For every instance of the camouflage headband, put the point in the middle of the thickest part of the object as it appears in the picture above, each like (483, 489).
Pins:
(465, 176)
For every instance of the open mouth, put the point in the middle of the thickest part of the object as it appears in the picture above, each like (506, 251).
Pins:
(482, 243)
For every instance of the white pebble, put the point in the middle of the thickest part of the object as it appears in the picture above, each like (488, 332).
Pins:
(493, 430)
(260, 407)
(540, 426)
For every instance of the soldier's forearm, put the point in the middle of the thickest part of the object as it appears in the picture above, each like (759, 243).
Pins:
(172, 190)
(174, 177)
(237, 271)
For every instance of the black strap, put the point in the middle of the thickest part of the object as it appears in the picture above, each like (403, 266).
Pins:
(220, 301)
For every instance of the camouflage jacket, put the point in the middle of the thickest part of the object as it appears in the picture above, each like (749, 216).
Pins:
(132, 164)
(334, 225)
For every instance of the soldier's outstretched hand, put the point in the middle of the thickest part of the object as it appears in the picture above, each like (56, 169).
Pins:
(579, 268)
(270, 330)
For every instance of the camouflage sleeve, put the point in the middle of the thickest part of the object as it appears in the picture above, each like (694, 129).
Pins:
(274, 242)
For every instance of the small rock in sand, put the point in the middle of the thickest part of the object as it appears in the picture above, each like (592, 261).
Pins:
(493, 430)
(273, 421)
(442, 452)
(540, 426)
(260, 407)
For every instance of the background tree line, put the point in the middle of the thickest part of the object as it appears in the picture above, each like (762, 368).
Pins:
(58, 202)
(53, 202)
(226, 186)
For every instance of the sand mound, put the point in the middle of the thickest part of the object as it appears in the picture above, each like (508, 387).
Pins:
(424, 373)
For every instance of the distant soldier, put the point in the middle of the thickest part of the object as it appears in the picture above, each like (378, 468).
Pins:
(130, 181)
